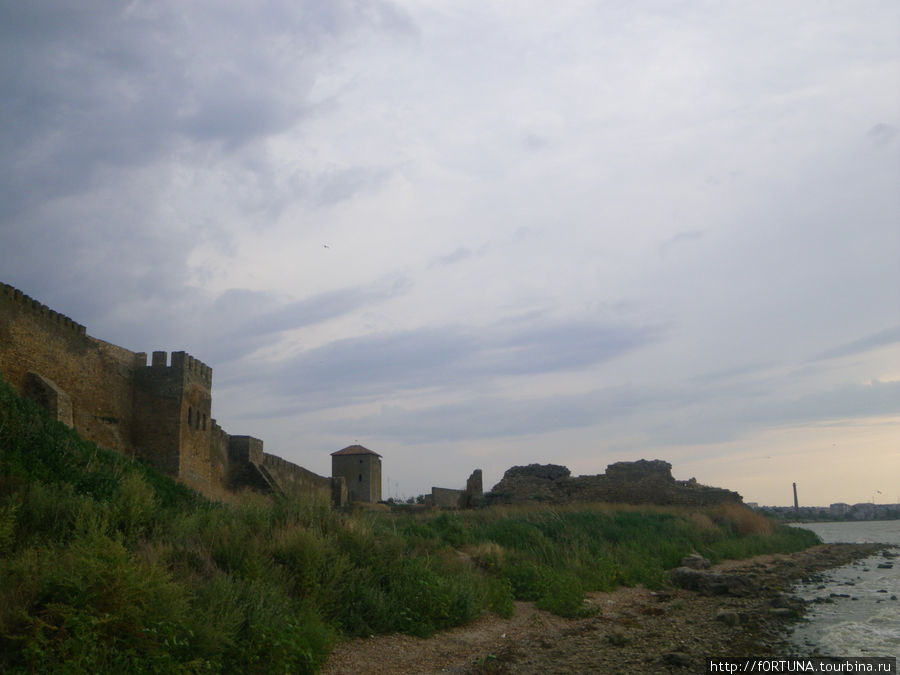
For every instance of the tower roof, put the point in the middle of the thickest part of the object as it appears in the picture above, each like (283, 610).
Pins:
(355, 450)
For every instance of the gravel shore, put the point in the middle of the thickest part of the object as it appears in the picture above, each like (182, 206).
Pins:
(738, 608)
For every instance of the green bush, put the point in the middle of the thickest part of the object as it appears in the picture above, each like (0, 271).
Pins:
(527, 579)
(92, 606)
(564, 595)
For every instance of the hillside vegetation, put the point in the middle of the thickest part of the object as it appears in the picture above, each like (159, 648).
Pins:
(107, 565)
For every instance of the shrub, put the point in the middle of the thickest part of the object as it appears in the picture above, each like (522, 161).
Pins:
(527, 579)
(564, 595)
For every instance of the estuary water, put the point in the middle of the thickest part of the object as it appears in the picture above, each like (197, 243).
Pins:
(856, 609)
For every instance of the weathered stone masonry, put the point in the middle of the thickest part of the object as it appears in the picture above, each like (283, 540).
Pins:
(161, 411)
(640, 482)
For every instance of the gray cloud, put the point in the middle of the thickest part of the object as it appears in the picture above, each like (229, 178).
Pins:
(240, 322)
(704, 418)
(458, 255)
(494, 417)
(324, 306)
(882, 135)
(680, 239)
(448, 358)
(104, 95)
(338, 186)
(667, 416)
(883, 338)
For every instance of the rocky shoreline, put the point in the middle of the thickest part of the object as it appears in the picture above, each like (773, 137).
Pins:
(738, 608)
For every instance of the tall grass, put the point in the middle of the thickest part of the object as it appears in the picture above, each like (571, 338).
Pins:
(552, 555)
(107, 565)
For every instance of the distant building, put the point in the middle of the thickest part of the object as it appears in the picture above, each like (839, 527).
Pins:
(361, 470)
(839, 510)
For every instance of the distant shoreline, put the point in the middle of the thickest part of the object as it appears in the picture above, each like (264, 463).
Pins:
(837, 513)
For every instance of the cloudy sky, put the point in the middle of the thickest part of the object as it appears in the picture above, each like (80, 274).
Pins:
(478, 234)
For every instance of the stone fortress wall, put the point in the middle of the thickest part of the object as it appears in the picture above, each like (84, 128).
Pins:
(160, 411)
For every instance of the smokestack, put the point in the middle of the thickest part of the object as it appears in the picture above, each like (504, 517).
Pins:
(796, 505)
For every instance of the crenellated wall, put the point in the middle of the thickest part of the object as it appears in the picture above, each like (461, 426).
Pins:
(14, 296)
(160, 411)
(95, 375)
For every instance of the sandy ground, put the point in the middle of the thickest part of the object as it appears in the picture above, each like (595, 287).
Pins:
(632, 630)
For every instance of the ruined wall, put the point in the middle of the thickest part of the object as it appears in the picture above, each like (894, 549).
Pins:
(474, 490)
(447, 498)
(641, 482)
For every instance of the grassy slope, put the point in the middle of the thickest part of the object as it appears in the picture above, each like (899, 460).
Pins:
(106, 564)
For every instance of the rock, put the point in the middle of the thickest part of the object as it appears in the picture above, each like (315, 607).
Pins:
(728, 617)
(695, 561)
(679, 659)
(792, 602)
(618, 638)
(640, 470)
(712, 583)
(543, 471)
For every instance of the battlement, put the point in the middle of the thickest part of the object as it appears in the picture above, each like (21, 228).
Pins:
(180, 362)
(27, 303)
(158, 409)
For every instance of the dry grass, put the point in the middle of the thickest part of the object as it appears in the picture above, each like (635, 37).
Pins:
(488, 555)
(745, 521)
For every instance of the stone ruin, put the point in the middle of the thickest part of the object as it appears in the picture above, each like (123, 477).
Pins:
(640, 482)
(451, 498)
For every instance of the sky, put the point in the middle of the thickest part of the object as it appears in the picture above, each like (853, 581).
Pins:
(472, 234)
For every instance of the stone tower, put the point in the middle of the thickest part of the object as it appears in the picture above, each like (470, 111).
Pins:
(361, 469)
(172, 421)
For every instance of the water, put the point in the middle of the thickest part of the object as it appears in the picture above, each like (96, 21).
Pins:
(867, 621)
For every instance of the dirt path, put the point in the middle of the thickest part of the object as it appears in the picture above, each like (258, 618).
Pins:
(633, 631)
